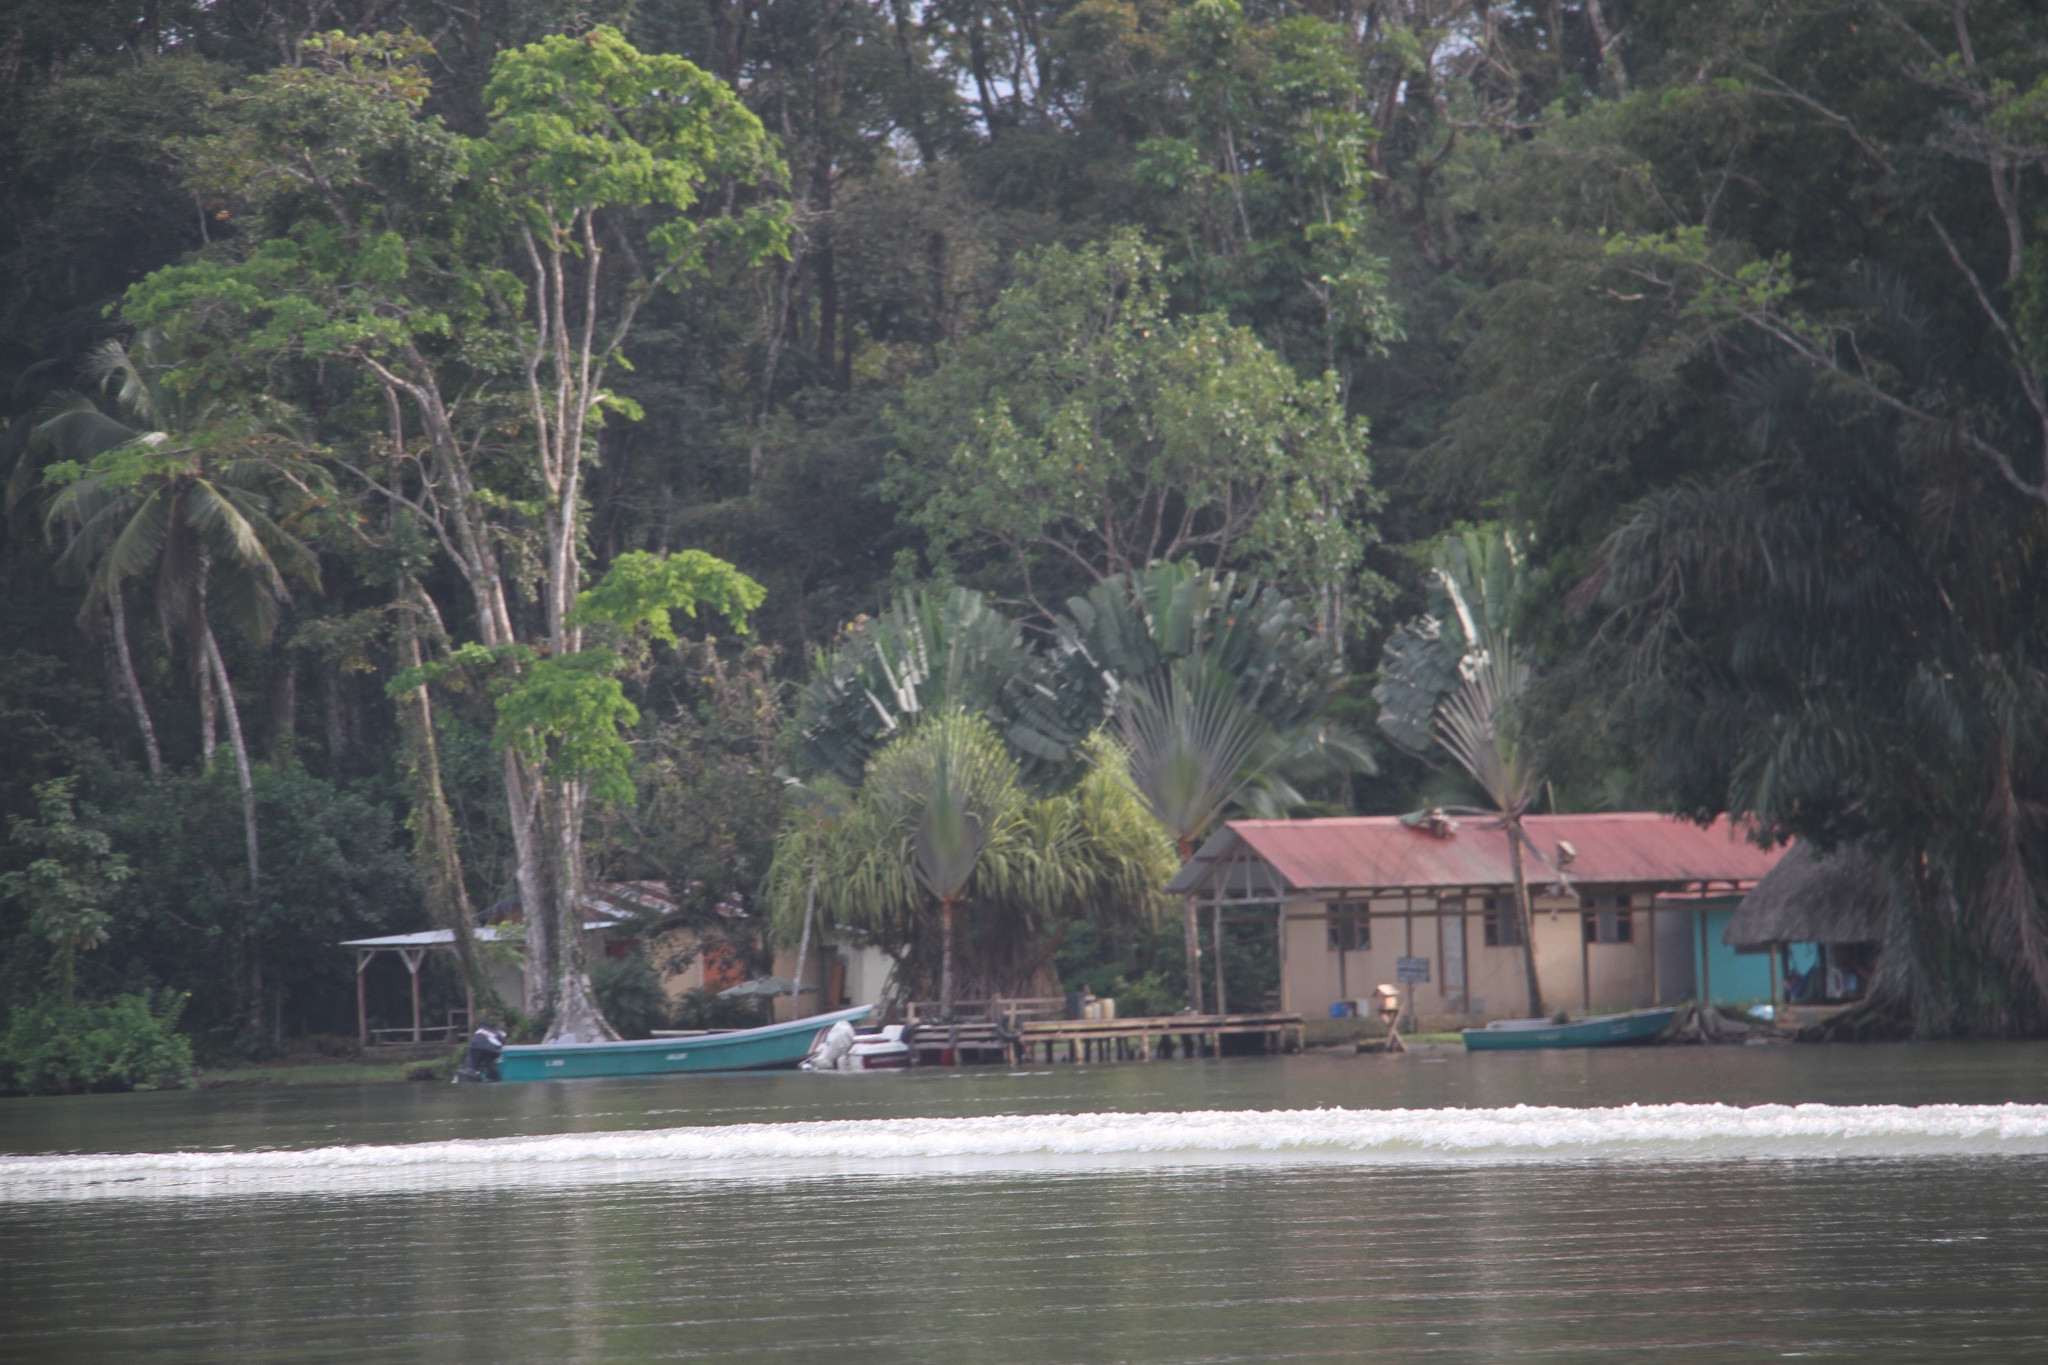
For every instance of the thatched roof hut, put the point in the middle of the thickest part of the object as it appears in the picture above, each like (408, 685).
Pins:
(1807, 899)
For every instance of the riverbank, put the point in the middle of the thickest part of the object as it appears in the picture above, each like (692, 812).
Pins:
(304, 1073)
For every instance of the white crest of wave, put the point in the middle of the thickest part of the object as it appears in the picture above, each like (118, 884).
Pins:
(927, 1146)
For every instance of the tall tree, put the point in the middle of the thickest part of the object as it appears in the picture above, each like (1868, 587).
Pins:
(1088, 432)
(534, 249)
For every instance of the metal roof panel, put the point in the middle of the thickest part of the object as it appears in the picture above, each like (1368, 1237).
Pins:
(1380, 852)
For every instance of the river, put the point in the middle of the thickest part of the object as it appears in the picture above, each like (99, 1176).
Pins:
(1827, 1203)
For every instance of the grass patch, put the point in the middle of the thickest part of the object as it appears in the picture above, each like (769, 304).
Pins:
(338, 1073)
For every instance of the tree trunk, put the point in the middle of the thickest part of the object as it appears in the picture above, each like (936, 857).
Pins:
(243, 775)
(1528, 919)
(534, 903)
(284, 708)
(337, 722)
(433, 827)
(803, 945)
(946, 907)
(253, 961)
(117, 612)
(576, 1010)
(1191, 931)
(208, 741)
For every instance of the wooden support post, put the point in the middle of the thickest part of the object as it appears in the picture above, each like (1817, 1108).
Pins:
(412, 958)
(1656, 982)
(1408, 920)
(1216, 934)
(1586, 960)
(1706, 967)
(363, 956)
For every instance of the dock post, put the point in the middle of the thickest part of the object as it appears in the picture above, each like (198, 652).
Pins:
(412, 958)
(362, 1000)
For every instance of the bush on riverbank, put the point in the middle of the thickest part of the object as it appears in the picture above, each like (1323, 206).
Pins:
(130, 1042)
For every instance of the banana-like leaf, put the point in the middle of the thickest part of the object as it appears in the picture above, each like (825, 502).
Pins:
(1128, 627)
(1476, 726)
(932, 654)
(1193, 743)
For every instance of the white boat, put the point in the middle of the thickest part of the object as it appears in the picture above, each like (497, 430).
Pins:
(840, 1048)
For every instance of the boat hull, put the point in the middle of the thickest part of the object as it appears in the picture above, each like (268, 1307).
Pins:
(752, 1049)
(1612, 1030)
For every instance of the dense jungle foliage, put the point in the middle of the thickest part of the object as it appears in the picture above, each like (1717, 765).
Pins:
(332, 525)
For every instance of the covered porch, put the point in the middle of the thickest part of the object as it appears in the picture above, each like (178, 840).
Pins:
(414, 951)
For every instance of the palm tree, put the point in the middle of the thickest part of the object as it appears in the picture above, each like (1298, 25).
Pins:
(1141, 652)
(1455, 680)
(888, 859)
(948, 790)
(183, 496)
(1476, 725)
(1193, 746)
(76, 430)
(1218, 688)
(931, 653)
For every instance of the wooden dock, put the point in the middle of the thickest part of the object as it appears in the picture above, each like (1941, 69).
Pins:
(1146, 1039)
(1015, 1042)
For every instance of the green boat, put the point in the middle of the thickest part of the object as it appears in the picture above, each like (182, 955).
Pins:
(746, 1049)
(1606, 1030)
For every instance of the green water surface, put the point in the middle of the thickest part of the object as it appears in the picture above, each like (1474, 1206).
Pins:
(1902, 1260)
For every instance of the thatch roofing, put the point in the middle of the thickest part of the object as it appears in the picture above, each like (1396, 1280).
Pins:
(1805, 899)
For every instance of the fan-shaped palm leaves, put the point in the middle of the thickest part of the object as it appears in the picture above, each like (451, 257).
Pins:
(1214, 685)
(1458, 680)
(1217, 689)
(930, 654)
(1194, 744)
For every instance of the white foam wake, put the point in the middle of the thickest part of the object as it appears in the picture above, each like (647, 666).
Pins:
(927, 1146)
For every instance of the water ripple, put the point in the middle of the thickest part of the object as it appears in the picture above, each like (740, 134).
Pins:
(1095, 1141)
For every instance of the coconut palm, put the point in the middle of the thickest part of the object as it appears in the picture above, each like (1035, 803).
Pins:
(181, 496)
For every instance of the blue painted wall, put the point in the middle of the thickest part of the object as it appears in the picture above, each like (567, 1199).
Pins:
(1735, 978)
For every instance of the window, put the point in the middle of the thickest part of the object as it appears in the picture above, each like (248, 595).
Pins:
(1611, 926)
(1608, 918)
(1350, 930)
(1503, 927)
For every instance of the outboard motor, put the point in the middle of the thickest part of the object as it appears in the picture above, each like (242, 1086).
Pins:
(480, 1063)
(830, 1052)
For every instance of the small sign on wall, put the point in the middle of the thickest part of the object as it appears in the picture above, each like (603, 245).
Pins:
(1411, 971)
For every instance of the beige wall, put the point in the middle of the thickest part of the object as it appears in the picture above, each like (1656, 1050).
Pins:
(1313, 975)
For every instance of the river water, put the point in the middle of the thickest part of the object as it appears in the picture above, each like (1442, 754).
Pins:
(1866, 1203)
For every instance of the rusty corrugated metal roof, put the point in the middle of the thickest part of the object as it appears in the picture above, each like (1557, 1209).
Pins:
(1366, 852)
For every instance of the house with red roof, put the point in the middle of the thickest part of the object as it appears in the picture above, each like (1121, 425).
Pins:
(1628, 908)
